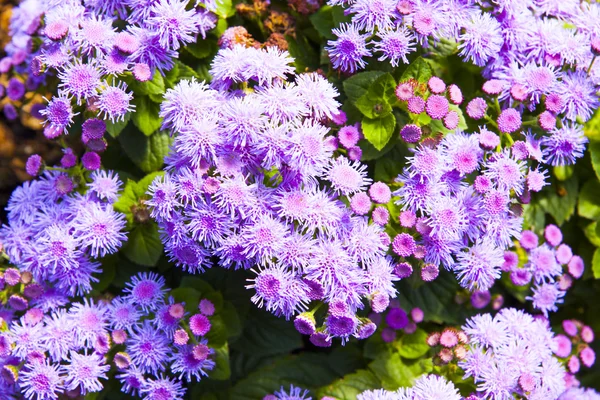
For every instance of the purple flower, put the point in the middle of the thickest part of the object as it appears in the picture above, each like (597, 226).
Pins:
(185, 363)
(479, 266)
(84, 371)
(146, 290)
(579, 95)
(564, 145)
(80, 80)
(15, 89)
(41, 380)
(546, 297)
(172, 22)
(349, 49)
(148, 348)
(481, 40)
(59, 113)
(114, 101)
(162, 388)
(395, 45)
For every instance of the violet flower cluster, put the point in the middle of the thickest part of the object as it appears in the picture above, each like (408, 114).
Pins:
(538, 58)
(82, 47)
(48, 349)
(460, 202)
(511, 354)
(58, 230)
(544, 268)
(254, 178)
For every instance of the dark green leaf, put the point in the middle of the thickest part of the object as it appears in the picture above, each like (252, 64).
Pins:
(222, 370)
(304, 54)
(414, 345)
(322, 20)
(350, 386)
(202, 48)
(145, 117)
(144, 246)
(115, 128)
(560, 200)
(436, 298)
(589, 200)
(359, 84)
(191, 297)
(419, 70)
(379, 131)
(217, 336)
(267, 335)
(148, 153)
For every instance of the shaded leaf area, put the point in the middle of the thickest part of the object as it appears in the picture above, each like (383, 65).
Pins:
(436, 298)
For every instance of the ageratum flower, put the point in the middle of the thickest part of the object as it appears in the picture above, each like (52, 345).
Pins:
(244, 184)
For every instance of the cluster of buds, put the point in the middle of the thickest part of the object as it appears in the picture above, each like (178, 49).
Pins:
(450, 344)
(573, 348)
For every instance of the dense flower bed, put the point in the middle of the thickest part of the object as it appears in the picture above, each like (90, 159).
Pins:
(364, 199)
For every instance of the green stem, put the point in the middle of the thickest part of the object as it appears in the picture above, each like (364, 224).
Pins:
(589, 68)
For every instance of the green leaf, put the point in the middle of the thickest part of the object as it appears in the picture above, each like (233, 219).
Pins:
(592, 127)
(380, 96)
(148, 153)
(435, 298)
(387, 168)
(267, 335)
(592, 232)
(217, 336)
(154, 86)
(231, 320)
(385, 87)
(560, 200)
(379, 131)
(596, 264)
(563, 172)
(357, 85)
(595, 153)
(132, 195)
(589, 200)
(350, 386)
(372, 106)
(308, 370)
(190, 296)
(202, 48)
(395, 372)
(222, 369)
(145, 117)
(115, 128)
(304, 54)
(534, 217)
(322, 20)
(420, 70)
(414, 345)
(144, 246)
(225, 8)
(328, 18)
(109, 270)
